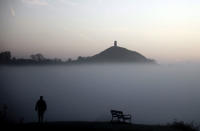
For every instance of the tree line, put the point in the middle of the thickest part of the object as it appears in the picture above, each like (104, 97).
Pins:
(6, 58)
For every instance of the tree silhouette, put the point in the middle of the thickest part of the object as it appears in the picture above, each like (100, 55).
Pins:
(37, 57)
(5, 57)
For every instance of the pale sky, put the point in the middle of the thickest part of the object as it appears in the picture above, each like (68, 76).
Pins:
(165, 30)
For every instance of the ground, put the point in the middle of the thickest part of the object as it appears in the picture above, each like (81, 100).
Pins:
(91, 126)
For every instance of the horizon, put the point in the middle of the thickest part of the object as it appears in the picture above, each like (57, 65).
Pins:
(75, 59)
(167, 31)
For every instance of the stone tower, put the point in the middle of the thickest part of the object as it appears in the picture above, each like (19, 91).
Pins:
(115, 43)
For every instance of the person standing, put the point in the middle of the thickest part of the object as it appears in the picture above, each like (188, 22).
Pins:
(40, 107)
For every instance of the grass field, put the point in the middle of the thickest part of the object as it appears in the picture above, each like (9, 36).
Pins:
(96, 126)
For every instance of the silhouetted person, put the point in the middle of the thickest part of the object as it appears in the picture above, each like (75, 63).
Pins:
(40, 107)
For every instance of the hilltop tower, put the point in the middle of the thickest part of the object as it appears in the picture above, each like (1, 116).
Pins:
(115, 43)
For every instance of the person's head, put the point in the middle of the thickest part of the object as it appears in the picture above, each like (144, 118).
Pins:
(41, 97)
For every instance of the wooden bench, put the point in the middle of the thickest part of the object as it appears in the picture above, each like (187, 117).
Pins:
(118, 115)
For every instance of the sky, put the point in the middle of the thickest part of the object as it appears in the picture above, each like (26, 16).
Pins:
(165, 30)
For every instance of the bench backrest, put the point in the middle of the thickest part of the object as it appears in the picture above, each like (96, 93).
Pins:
(116, 113)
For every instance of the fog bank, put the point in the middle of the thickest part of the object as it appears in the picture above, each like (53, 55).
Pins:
(152, 94)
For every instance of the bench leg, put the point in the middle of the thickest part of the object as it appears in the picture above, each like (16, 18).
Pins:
(123, 120)
(118, 119)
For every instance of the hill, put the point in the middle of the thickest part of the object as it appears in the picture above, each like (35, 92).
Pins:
(117, 54)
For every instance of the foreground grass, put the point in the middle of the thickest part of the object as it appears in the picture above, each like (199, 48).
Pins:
(97, 126)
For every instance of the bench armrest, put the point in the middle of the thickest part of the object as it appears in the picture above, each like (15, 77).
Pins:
(127, 115)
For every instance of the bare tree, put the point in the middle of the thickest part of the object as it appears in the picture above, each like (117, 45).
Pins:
(37, 57)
